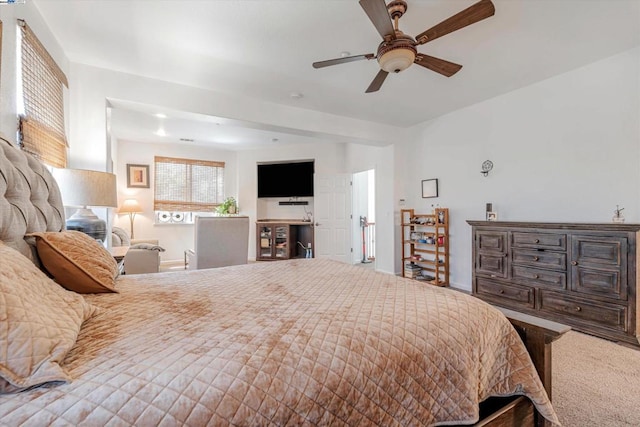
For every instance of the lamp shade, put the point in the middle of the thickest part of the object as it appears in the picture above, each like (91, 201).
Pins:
(397, 60)
(130, 206)
(85, 188)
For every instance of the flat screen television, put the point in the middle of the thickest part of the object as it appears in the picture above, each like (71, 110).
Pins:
(293, 179)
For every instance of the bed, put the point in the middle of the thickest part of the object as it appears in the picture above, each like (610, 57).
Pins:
(299, 342)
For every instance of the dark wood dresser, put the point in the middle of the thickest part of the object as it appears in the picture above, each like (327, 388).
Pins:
(583, 275)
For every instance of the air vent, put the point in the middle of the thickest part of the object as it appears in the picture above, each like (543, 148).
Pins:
(186, 140)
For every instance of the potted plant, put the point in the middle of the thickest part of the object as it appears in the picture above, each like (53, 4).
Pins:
(229, 206)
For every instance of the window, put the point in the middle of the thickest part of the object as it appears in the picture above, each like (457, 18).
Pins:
(184, 185)
(42, 131)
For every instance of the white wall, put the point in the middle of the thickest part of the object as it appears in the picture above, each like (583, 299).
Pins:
(360, 158)
(565, 149)
(270, 208)
(241, 182)
(360, 207)
(328, 157)
(175, 238)
(94, 87)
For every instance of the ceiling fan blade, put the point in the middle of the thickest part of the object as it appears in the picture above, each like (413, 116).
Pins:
(344, 60)
(477, 12)
(377, 81)
(438, 65)
(377, 12)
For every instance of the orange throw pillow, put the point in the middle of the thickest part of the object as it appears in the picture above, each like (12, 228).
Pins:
(77, 261)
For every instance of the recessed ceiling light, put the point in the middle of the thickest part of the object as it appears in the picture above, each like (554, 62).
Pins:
(296, 95)
(161, 132)
(160, 115)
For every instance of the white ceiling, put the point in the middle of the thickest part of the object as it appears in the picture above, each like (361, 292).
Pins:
(264, 50)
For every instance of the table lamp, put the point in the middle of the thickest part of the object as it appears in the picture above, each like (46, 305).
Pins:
(83, 189)
(131, 207)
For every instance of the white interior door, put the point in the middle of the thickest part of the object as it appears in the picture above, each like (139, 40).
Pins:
(332, 216)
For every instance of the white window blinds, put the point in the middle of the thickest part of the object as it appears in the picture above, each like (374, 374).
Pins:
(188, 185)
(42, 131)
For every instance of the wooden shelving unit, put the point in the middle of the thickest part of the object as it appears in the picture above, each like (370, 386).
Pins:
(283, 239)
(425, 246)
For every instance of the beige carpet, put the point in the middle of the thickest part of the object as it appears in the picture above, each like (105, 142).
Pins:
(595, 382)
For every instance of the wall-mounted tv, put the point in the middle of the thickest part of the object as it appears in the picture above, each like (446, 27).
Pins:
(291, 179)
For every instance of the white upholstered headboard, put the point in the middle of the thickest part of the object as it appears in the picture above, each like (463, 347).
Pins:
(30, 199)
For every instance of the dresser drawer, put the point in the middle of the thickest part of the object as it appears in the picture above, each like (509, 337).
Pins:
(543, 259)
(539, 277)
(504, 293)
(539, 240)
(584, 311)
(601, 282)
(599, 251)
(491, 241)
(492, 265)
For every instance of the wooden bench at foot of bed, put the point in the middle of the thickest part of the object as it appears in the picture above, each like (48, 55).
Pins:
(537, 335)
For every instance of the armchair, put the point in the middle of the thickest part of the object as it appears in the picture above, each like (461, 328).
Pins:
(143, 255)
(219, 241)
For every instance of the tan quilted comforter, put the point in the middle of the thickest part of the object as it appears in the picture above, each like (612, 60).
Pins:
(299, 342)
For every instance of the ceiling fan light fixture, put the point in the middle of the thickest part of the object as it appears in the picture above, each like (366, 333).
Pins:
(398, 50)
(397, 60)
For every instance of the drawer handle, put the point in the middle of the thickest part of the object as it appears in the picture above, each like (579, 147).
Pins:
(574, 262)
(578, 308)
(501, 291)
(535, 258)
(536, 241)
(535, 276)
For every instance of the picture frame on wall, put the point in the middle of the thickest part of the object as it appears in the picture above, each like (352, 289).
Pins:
(429, 188)
(137, 176)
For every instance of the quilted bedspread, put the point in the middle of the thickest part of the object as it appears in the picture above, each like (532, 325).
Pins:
(300, 342)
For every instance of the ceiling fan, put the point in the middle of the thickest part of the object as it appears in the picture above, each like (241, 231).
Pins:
(398, 50)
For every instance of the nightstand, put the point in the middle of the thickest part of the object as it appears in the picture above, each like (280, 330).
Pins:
(118, 253)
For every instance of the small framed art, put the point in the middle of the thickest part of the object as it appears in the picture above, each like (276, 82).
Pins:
(429, 188)
(137, 176)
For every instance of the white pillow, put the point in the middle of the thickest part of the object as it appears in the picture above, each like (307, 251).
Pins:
(147, 246)
(40, 321)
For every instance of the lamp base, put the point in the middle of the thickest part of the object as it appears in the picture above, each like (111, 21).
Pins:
(86, 221)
